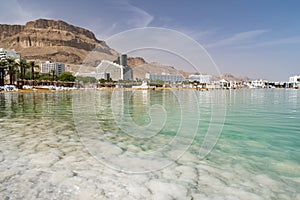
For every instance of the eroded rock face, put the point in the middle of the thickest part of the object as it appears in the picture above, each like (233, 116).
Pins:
(135, 61)
(53, 40)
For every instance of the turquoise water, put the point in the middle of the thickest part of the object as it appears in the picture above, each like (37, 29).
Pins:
(242, 144)
(262, 135)
(263, 124)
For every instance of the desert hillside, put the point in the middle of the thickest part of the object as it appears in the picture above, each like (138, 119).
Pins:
(78, 48)
(54, 40)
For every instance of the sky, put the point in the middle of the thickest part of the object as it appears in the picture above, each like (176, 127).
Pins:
(258, 38)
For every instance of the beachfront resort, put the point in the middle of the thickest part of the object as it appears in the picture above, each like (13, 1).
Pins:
(16, 73)
(156, 138)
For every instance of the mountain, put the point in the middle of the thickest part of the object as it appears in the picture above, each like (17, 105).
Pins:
(141, 67)
(230, 77)
(78, 48)
(54, 40)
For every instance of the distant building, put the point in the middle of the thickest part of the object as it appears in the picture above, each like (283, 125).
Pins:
(109, 70)
(165, 77)
(123, 60)
(48, 67)
(204, 79)
(9, 53)
(294, 81)
(4, 54)
(258, 84)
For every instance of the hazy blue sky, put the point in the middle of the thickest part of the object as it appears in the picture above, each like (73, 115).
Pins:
(256, 38)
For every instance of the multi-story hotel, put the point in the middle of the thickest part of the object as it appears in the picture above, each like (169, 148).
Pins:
(49, 67)
(109, 70)
(9, 53)
(165, 77)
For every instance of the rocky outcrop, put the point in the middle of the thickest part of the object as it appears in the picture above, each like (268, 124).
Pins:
(135, 61)
(230, 77)
(9, 30)
(57, 40)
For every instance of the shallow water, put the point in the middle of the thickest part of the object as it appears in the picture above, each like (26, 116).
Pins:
(150, 145)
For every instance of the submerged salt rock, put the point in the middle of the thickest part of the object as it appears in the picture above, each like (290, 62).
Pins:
(99, 149)
(8, 173)
(60, 176)
(170, 173)
(1, 157)
(138, 191)
(43, 159)
(188, 157)
(162, 190)
(187, 174)
(133, 148)
(89, 194)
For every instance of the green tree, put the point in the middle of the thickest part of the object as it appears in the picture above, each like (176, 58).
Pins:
(102, 80)
(2, 71)
(33, 66)
(54, 77)
(23, 66)
(87, 79)
(12, 69)
(27, 75)
(47, 77)
(67, 76)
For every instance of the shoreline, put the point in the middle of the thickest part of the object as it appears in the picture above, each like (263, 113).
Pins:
(41, 90)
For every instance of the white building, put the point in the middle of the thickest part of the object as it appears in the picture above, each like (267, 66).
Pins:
(165, 77)
(204, 79)
(9, 53)
(48, 67)
(295, 81)
(109, 70)
(258, 84)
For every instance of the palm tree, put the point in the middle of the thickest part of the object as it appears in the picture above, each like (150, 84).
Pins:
(53, 74)
(12, 65)
(33, 65)
(2, 71)
(23, 66)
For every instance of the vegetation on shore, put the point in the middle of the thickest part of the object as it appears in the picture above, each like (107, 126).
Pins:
(21, 70)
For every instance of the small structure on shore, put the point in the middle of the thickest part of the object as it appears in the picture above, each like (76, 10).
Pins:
(294, 81)
(144, 86)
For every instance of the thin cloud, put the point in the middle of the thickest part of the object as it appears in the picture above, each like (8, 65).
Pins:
(122, 16)
(139, 17)
(238, 38)
(198, 34)
(278, 42)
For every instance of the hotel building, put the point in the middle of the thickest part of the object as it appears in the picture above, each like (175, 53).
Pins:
(9, 53)
(165, 77)
(294, 81)
(109, 70)
(48, 67)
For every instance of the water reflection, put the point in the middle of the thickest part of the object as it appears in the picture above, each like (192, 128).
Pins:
(2, 105)
(35, 105)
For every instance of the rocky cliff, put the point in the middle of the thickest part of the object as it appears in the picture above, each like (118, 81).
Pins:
(135, 61)
(54, 40)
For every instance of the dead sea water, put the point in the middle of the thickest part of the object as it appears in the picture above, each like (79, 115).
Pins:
(150, 145)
